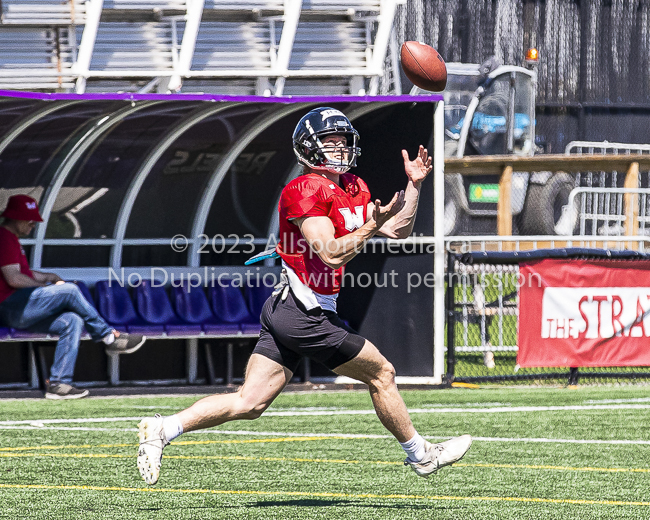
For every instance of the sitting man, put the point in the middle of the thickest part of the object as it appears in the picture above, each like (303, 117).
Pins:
(44, 303)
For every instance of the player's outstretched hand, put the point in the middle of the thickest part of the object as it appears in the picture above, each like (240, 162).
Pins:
(381, 214)
(419, 168)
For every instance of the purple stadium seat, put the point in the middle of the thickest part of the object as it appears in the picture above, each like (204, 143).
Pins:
(115, 305)
(228, 305)
(256, 296)
(192, 306)
(153, 305)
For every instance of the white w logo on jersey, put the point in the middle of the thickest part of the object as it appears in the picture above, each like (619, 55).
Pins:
(352, 220)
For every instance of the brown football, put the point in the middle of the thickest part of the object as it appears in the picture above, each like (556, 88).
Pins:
(424, 66)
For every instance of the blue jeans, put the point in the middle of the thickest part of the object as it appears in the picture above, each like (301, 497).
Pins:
(56, 309)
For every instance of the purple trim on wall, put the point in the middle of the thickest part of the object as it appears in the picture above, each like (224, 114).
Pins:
(129, 96)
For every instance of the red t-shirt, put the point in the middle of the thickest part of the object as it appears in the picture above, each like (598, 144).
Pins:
(313, 195)
(11, 252)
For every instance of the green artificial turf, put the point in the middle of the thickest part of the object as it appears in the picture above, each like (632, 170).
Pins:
(287, 467)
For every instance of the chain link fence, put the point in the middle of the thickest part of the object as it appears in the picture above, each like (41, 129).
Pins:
(482, 328)
(594, 68)
(591, 51)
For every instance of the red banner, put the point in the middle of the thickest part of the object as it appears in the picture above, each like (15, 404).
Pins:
(584, 313)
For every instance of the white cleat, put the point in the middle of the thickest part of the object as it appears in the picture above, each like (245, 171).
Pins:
(152, 441)
(440, 455)
(488, 359)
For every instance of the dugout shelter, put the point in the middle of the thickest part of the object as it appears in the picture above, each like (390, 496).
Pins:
(157, 187)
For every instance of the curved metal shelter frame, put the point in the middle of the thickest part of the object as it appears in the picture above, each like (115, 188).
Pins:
(248, 134)
(30, 119)
(69, 163)
(85, 141)
(148, 163)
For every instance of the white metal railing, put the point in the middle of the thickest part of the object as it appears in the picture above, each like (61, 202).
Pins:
(603, 211)
(422, 244)
(150, 5)
(471, 282)
(605, 147)
(470, 244)
(43, 12)
(604, 179)
(199, 241)
(604, 208)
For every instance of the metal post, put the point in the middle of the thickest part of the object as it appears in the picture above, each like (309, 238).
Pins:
(510, 122)
(382, 37)
(439, 237)
(451, 319)
(307, 370)
(34, 381)
(184, 63)
(229, 363)
(192, 356)
(114, 369)
(504, 205)
(210, 364)
(45, 371)
(87, 45)
(632, 200)
(292, 10)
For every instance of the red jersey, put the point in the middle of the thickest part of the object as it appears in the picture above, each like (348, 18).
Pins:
(11, 252)
(312, 195)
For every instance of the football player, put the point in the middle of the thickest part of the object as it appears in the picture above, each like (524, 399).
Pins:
(326, 217)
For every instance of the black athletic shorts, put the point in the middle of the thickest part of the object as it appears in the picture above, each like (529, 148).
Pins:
(290, 332)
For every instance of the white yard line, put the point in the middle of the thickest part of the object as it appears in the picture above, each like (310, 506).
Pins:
(483, 439)
(84, 420)
(500, 409)
(335, 435)
(68, 428)
(304, 412)
(611, 401)
(560, 441)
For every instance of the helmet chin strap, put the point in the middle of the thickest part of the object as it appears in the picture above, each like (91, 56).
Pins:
(330, 169)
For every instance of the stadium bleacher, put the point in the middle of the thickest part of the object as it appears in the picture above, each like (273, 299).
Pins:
(264, 47)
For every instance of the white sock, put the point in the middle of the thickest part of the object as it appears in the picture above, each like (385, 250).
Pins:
(172, 427)
(414, 448)
(109, 338)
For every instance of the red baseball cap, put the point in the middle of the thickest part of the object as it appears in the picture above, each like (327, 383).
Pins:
(22, 207)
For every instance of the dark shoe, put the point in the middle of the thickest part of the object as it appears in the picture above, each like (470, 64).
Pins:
(63, 391)
(126, 343)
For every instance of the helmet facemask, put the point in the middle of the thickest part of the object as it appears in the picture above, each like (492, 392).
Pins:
(313, 149)
(335, 157)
